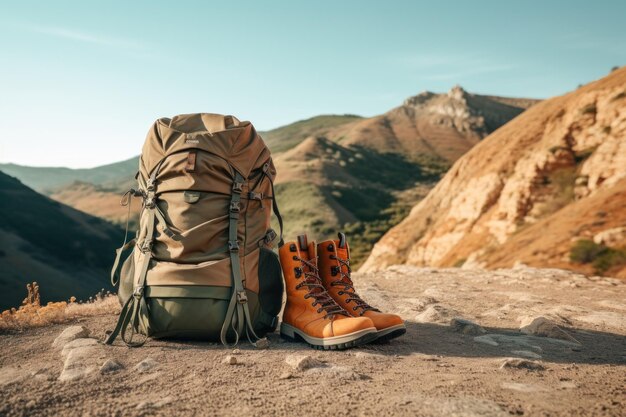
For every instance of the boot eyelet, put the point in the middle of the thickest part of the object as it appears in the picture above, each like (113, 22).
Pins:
(295, 258)
(341, 293)
(307, 296)
(354, 308)
(319, 310)
(331, 247)
(298, 271)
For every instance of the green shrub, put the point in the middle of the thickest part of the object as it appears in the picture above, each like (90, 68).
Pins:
(586, 251)
(601, 257)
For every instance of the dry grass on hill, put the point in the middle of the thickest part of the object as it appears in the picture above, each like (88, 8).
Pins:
(32, 314)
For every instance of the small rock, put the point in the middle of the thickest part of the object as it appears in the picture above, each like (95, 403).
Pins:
(77, 343)
(69, 334)
(526, 354)
(236, 351)
(541, 326)
(82, 360)
(302, 362)
(262, 343)
(465, 326)
(286, 375)
(515, 363)
(487, 340)
(111, 365)
(230, 360)
(436, 314)
(146, 365)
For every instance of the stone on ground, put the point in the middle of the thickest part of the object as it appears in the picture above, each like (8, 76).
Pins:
(230, 360)
(146, 365)
(302, 362)
(110, 365)
(516, 363)
(541, 326)
(69, 334)
(465, 326)
(83, 357)
(436, 314)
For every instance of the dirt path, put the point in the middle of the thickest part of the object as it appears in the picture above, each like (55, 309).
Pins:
(432, 371)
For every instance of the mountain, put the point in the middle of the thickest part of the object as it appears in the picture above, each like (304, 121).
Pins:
(363, 176)
(334, 171)
(286, 137)
(548, 189)
(50, 179)
(65, 250)
(441, 126)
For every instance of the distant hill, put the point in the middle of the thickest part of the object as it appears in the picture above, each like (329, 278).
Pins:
(66, 251)
(547, 189)
(286, 137)
(334, 171)
(50, 179)
(442, 126)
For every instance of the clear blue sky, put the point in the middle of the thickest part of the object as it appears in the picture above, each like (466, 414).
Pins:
(89, 77)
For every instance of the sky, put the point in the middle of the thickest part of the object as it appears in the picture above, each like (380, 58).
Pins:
(82, 81)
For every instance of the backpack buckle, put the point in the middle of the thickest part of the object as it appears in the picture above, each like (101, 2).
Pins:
(242, 297)
(146, 246)
(138, 292)
(237, 187)
(233, 246)
(235, 207)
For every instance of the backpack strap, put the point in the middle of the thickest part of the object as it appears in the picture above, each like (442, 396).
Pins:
(238, 312)
(266, 169)
(134, 313)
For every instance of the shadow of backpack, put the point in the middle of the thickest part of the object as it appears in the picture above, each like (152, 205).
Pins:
(202, 265)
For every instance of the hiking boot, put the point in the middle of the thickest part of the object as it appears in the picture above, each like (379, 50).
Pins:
(334, 266)
(310, 313)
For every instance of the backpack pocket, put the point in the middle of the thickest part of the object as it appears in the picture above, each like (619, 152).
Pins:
(271, 289)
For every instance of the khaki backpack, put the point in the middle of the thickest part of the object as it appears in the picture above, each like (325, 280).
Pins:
(202, 265)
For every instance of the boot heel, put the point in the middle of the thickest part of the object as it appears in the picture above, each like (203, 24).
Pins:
(287, 332)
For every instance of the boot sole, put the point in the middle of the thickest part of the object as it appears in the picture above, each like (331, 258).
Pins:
(389, 333)
(346, 341)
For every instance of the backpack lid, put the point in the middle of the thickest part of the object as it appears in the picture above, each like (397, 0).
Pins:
(225, 136)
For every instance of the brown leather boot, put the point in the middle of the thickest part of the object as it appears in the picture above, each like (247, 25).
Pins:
(334, 265)
(310, 313)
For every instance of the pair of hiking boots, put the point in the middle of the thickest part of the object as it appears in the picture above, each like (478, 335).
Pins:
(323, 308)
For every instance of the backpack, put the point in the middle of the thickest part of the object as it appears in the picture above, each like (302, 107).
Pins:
(202, 265)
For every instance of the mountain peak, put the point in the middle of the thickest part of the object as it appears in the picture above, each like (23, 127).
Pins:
(457, 92)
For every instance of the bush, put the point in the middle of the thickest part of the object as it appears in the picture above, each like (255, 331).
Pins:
(601, 257)
(586, 251)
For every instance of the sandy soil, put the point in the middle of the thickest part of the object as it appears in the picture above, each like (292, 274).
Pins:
(432, 371)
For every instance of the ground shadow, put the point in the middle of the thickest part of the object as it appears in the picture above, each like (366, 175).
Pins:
(441, 340)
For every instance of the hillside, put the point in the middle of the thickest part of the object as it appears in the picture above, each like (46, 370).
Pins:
(530, 192)
(66, 251)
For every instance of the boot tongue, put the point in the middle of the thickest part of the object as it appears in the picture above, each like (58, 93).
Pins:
(343, 252)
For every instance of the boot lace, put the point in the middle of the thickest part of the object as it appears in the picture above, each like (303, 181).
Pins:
(348, 287)
(317, 291)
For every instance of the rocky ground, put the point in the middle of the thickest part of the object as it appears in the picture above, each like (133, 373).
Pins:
(521, 341)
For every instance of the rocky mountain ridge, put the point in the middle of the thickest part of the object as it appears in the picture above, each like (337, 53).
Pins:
(560, 152)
